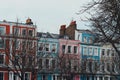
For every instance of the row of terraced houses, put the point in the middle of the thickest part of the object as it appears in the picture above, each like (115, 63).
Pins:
(70, 55)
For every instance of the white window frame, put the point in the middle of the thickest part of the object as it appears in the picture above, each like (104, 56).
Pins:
(85, 50)
(11, 76)
(95, 51)
(90, 51)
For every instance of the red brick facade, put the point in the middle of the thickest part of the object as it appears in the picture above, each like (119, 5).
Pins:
(9, 32)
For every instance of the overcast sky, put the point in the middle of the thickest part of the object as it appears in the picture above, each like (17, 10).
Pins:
(48, 15)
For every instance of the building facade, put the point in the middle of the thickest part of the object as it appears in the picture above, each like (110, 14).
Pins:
(90, 54)
(109, 67)
(48, 47)
(69, 57)
(16, 39)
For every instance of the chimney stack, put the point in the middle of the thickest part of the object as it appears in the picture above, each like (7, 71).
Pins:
(62, 30)
(73, 24)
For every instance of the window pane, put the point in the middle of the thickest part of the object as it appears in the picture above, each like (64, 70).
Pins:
(75, 49)
(53, 63)
(2, 43)
(2, 30)
(17, 44)
(1, 59)
(30, 45)
(91, 40)
(108, 52)
(47, 47)
(47, 63)
(40, 63)
(95, 51)
(63, 48)
(53, 47)
(24, 32)
(69, 49)
(16, 31)
(30, 32)
(90, 51)
(40, 46)
(103, 52)
(85, 51)
(85, 39)
(15, 76)
(1, 75)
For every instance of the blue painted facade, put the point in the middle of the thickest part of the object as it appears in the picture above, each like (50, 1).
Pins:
(47, 53)
(90, 53)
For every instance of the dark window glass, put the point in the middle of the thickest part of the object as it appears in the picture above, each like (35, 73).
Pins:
(1, 59)
(1, 75)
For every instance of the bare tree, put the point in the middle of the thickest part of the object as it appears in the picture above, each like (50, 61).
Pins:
(105, 21)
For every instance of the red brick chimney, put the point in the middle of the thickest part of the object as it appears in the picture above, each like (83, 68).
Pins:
(73, 23)
(70, 30)
(62, 30)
